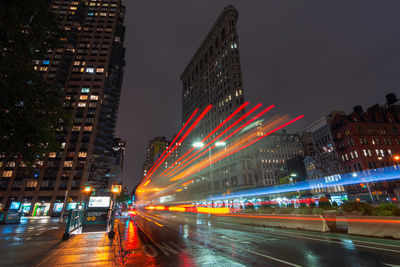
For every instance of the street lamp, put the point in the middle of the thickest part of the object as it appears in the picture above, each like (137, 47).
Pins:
(217, 144)
(87, 191)
(198, 144)
(115, 190)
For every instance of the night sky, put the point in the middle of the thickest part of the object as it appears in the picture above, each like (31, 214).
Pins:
(306, 57)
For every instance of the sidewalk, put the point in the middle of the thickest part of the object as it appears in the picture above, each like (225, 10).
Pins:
(92, 249)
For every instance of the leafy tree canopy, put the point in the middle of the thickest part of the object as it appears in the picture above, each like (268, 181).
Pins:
(31, 109)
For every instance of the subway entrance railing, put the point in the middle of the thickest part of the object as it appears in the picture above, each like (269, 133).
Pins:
(74, 222)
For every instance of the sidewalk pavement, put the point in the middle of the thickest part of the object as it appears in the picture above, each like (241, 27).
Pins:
(92, 249)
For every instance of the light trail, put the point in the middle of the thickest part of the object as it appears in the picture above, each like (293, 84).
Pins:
(183, 137)
(250, 121)
(245, 138)
(237, 150)
(218, 136)
(226, 138)
(187, 183)
(167, 171)
(368, 176)
(176, 137)
(206, 162)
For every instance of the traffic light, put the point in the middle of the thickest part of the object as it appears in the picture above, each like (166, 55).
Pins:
(363, 185)
(116, 188)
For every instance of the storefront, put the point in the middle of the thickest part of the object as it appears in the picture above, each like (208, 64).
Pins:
(72, 205)
(57, 208)
(13, 214)
(41, 209)
(26, 208)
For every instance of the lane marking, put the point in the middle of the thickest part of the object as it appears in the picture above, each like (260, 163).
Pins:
(272, 258)
(342, 238)
(336, 242)
(328, 241)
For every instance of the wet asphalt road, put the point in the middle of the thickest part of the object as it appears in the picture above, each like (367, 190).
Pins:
(25, 244)
(156, 238)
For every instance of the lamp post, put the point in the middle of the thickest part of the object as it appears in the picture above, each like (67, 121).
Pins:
(87, 191)
(217, 144)
(115, 190)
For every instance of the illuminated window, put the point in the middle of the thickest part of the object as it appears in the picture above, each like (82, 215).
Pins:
(94, 97)
(31, 183)
(82, 154)
(85, 90)
(77, 63)
(7, 173)
(52, 154)
(83, 97)
(81, 104)
(100, 70)
(63, 145)
(87, 128)
(43, 69)
(76, 128)
(46, 62)
(90, 70)
(68, 163)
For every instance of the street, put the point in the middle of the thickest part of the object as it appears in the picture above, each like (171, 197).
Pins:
(157, 238)
(25, 244)
(196, 240)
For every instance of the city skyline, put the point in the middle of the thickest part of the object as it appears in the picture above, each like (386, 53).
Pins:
(293, 55)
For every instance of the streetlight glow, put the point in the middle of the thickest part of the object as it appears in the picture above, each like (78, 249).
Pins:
(87, 189)
(220, 143)
(198, 144)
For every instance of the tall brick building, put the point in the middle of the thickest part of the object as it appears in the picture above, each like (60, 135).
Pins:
(89, 69)
(370, 139)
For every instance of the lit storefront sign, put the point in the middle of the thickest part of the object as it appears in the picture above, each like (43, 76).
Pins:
(58, 207)
(72, 206)
(26, 208)
(41, 209)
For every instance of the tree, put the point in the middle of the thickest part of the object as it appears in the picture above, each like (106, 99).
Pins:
(31, 109)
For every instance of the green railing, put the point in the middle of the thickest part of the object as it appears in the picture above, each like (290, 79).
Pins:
(74, 222)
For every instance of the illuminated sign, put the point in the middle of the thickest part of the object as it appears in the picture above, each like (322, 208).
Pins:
(58, 207)
(15, 205)
(72, 205)
(99, 202)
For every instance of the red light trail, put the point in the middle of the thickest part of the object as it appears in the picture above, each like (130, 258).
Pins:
(235, 151)
(176, 137)
(216, 138)
(205, 138)
(250, 121)
(182, 138)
